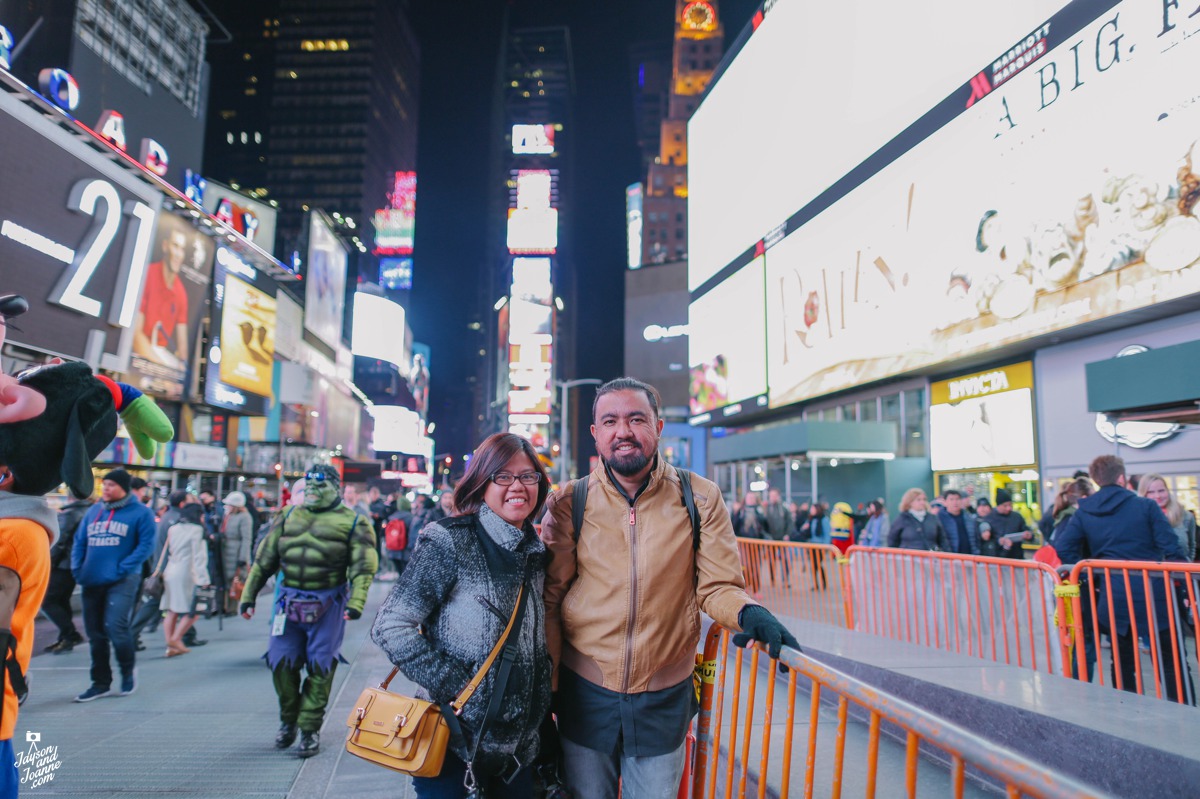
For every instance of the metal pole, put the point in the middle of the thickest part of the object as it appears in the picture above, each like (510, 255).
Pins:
(563, 472)
(813, 465)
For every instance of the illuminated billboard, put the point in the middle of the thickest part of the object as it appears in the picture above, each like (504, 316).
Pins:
(395, 274)
(241, 351)
(531, 280)
(532, 219)
(253, 219)
(755, 155)
(532, 139)
(397, 429)
(378, 330)
(726, 349)
(983, 421)
(1022, 242)
(325, 282)
(395, 226)
(633, 225)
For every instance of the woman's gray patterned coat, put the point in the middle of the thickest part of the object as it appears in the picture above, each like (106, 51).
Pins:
(449, 593)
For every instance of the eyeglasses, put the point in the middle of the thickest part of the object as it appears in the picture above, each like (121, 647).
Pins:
(316, 477)
(506, 479)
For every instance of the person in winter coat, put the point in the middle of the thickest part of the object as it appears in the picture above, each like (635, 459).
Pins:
(57, 603)
(237, 534)
(749, 521)
(1182, 521)
(1065, 505)
(988, 547)
(1009, 528)
(916, 527)
(186, 569)
(961, 526)
(878, 524)
(113, 541)
(1116, 524)
(458, 593)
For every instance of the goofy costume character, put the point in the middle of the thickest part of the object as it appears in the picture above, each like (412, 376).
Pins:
(326, 552)
(53, 421)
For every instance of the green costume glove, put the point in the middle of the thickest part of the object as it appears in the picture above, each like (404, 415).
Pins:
(147, 424)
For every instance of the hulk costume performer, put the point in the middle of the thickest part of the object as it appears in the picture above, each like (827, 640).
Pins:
(327, 554)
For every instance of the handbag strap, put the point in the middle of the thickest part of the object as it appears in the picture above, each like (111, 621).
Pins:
(475, 682)
(163, 556)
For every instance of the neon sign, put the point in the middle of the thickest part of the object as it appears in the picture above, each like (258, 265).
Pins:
(6, 45)
(395, 226)
(59, 87)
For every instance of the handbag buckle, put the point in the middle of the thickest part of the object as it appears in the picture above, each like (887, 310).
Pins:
(362, 713)
(401, 720)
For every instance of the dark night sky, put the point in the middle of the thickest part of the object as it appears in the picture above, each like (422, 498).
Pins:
(459, 44)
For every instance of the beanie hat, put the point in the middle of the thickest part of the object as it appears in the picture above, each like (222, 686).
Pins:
(137, 483)
(121, 478)
(1002, 496)
(236, 499)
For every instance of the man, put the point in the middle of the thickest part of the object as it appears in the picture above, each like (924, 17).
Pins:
(380, 511)
(163, 315)
(57, 604)
(1008, 527)
(356, 502)
(623, 603)
(1116, 524)
(962, 528)
(327, 554)
(141, 492)
(779, 518)
(113, 541)
(148, 613)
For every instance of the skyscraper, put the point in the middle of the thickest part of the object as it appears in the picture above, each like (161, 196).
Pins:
(319, 108)
(699, 40)
(528, 279)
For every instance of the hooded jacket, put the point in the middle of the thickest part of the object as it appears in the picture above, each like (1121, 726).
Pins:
(1116, 524)
(27, 528)
(970, 523)
(909, 532)
(112, 542)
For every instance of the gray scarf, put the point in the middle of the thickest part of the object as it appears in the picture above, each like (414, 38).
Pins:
(919, 514)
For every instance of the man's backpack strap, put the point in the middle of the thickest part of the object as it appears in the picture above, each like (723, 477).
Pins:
(578, 503)
(689, 502)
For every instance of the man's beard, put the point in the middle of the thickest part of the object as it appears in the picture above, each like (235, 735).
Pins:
(630, 464)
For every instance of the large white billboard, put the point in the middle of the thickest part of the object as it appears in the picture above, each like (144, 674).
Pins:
(816, 89)
(325, 282)
(1054, 187)
(378, 330)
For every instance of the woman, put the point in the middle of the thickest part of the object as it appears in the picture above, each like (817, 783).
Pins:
(916, 527)
(237, 532)
(878, 524)
(187, 568)
(1182, 521)
(818, 532)
(457, 595)
(1066, 503)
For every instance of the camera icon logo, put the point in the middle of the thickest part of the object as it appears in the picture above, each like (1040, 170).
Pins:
(33, 737)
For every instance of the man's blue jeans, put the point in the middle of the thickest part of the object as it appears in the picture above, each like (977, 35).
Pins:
(594, 775)
(107, 615)
(10, 776)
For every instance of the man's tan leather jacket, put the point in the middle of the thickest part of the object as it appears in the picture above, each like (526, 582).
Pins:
(623, 607)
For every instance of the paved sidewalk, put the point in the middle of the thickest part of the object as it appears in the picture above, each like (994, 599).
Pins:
(199, 726)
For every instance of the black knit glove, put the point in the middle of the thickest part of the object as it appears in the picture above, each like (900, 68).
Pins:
(353, 613)
(758, 624)
(245, 607)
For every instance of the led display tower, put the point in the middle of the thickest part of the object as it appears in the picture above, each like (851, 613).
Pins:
(530, 166)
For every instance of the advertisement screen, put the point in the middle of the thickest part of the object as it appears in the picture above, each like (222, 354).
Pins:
(395, 226)
(397, 429)
(532, 139)
(241, 354)
(325, 282)
(983, 432)
(76, 233)
(533, 230)
(633, 225)
(756, 152)
(379, 329)
(531, 280)
(726, 351)
(253, 219)
(395, 274)
(171, 309)
(981, 233)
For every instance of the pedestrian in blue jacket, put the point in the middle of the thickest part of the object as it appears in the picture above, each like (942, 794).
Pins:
(1117, 524)
(113, 541)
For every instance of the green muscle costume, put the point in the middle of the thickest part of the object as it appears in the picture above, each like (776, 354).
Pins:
(319, 547)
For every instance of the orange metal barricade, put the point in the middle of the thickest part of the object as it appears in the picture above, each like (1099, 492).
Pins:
(799, 581)
(1131, 605)
(738, 752)
(1002, 610)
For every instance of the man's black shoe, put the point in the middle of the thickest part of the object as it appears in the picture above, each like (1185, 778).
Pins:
(138, 646)
(310, 743)
(286, 736)
(194, 642)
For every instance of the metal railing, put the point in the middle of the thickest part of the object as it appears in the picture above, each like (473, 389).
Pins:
(735, 755)
(801, 581)
(1132, 605)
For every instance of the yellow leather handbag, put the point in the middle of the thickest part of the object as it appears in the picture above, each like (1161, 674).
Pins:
(406, 734)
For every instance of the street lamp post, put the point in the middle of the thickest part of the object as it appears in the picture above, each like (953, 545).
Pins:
(564, 434)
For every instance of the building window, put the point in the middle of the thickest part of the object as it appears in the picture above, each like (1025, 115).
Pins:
(890, 412)
(913, 429)
(848, 414)
(868, 410)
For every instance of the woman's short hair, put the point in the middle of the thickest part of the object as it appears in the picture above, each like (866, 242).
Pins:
(909, 496)
(489, 458)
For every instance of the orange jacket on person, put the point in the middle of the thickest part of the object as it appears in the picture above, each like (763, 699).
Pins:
(642, 554)
(25, 549)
